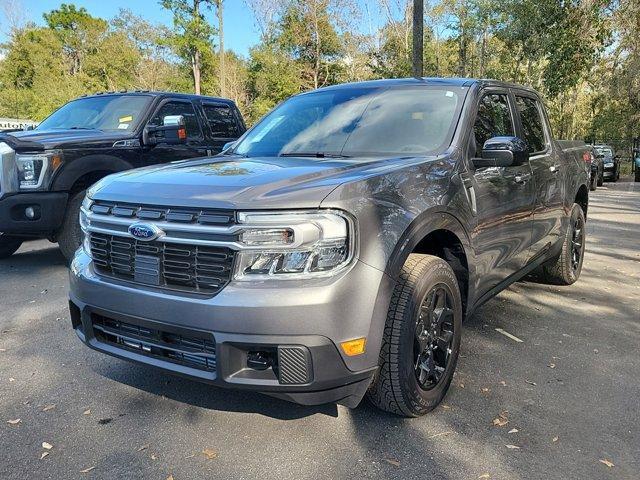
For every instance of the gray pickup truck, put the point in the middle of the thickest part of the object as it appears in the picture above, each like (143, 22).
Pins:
(333, 251)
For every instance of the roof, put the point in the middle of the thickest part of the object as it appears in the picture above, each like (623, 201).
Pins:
(154, 93)
(452, 82)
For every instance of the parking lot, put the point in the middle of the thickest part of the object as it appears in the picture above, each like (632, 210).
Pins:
(562, 403)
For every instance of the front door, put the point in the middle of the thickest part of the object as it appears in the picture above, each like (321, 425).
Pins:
(195, 145)
(504, 198)
(548, 173)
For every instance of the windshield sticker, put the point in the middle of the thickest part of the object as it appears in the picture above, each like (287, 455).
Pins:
(128, 118)
(449, 93)
(123, 126)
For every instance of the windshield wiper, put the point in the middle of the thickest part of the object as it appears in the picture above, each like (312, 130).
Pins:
(313, 155)
(82, 128)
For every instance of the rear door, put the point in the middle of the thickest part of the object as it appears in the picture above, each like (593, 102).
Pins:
(548, 170)
(195, 146)
(222, 123)
(504, 197)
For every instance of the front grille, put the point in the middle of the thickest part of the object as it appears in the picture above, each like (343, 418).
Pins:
(190, 348)
(167, 214)
(185, 268)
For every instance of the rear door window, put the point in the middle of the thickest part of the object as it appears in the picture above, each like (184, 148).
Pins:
(221, 120)
(179, 108)
(532, 126)
(493, 119)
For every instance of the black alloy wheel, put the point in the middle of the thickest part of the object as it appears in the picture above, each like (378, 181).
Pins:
(577, 243)
(433, 343)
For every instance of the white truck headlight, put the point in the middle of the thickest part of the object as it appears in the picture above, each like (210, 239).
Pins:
(294, 244)
(35, 170)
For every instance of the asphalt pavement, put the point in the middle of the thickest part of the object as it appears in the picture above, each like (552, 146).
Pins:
(563, 403)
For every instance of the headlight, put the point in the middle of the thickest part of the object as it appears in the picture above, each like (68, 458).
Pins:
(35, 170)
(294, 244)
(84, 224)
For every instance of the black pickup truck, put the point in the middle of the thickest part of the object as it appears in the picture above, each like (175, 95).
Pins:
(44, 172)
(336, 247)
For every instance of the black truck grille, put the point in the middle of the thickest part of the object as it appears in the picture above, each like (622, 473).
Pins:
(192, 349)
(185, 268)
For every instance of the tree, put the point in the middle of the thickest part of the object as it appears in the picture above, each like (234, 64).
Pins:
(193, 34)
(221, 46)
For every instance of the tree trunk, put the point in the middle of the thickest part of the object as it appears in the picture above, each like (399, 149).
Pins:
(195, 66)
(221, 49)
(316, 69)
(418, 38)
(195, 57)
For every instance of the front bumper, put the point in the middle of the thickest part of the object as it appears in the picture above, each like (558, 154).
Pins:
(49, 208)
(297, 327)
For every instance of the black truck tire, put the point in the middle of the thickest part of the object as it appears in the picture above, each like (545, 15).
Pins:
(397, 386)
(593, 182)
(70, 235)
(601, 179)
(9, 245)
(565, 269)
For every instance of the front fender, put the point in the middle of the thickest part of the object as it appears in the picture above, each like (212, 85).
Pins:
(76, 168)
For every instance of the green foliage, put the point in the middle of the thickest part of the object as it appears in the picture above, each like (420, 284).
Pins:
(584, 56)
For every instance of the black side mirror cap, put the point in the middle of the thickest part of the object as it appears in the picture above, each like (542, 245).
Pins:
(503, 152)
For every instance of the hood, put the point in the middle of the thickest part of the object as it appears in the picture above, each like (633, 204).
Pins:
(61, 139)
(233, 182)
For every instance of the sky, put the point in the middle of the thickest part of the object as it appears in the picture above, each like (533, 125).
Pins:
(240, 30)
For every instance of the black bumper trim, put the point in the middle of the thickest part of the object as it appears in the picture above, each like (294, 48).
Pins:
(50, 208)
(329, 381)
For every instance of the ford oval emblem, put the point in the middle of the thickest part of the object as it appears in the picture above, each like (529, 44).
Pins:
(144, 232)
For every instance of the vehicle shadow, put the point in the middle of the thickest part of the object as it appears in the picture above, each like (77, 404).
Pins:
(197, 394)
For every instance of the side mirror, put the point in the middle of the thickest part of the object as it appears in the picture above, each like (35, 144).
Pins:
(503, 152)
(228, 146)
(172, 132)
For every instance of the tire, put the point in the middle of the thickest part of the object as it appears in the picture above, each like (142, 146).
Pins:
(9, 245)
(593, 182)
(601, 179)
(70, 235)
(565, 268)
(397, 386)
(637, 176)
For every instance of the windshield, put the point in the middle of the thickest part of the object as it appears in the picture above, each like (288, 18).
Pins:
(607, 152)
(358, 121)
(110, 112)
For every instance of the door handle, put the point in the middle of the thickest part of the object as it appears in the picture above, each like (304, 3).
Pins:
(522, 178)
(554, 168)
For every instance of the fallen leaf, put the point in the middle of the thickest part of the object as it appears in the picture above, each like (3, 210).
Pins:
(143, 447)
(500, 422)
(46, 445)
(513, 430)
(484, 475)
(393, 462)
(11, 379)
(170, 477)
(552, 365)
(44, 454)
(190, 456)
(87, 412)
(446, 407)
(512, 447)
(595, 350)
(531, 383)
(461, 385)
(48, 407)
(14, 422)
(104, 421)
(3, 350)
(485, 390)
(209, 453)
(554, 439)
(607, 463)
(87, 470)
(153, 456)
(503, 383)
(440, 434)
